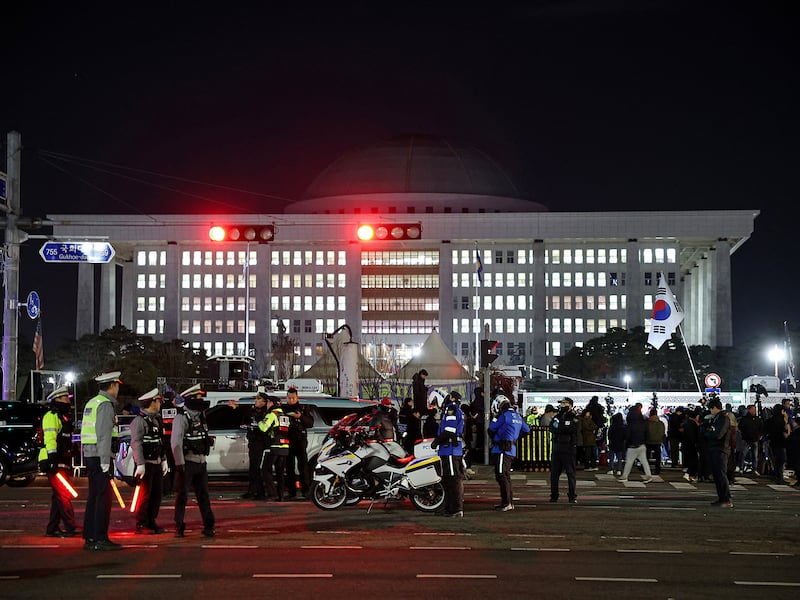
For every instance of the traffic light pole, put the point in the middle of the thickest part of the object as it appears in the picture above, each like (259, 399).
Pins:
(487, 409)
(11, 267)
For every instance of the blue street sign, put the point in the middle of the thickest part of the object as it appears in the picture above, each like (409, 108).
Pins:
(72, 252)
(712, 390)
(33, 305)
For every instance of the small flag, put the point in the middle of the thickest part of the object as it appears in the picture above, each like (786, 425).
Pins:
(667, 315)
(38, 348)
(479, 266)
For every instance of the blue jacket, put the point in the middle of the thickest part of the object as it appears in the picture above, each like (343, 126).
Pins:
(450, 436)
(507, 427)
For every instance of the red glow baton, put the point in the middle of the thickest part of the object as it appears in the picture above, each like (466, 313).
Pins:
(66, 485)
(117, 494)
(135, 501)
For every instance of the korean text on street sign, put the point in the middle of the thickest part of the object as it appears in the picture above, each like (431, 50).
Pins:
(88, 252)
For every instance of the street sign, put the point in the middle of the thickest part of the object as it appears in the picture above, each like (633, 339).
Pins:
(713, 380)
(711, 390)
(72, 252)
(33, 305)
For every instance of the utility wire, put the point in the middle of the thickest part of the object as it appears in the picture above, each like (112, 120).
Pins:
(551, 374)
(94, 187)
(95, 165)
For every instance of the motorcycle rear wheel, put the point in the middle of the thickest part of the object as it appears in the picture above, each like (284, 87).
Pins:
(335, 498)
(429, 499)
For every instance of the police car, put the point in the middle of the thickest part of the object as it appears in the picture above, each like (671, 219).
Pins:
(20, 440)
(227, 427)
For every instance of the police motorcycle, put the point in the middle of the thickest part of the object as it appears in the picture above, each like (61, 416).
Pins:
(353, 466)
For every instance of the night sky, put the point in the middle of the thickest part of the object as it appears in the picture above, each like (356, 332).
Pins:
(595, 105)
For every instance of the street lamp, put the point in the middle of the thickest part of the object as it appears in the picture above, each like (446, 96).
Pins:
(775, 355)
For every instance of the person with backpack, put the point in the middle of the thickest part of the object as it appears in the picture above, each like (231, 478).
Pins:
(55, 458)
(190, 446)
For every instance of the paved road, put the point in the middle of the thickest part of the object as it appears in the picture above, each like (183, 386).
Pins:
(659, 540)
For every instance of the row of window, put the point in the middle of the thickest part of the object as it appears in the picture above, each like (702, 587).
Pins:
(375, 326)
(308, 303)
(308, 280)
(406, 304)
(216, 280)
(400, 258)
(400, 281)
(553, 256)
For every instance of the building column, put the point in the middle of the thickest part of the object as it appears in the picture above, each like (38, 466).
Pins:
(446, 296)
(539, 292)
(634, 311)
(108, 296)
(722, 285)
(172, 293)
(84, 317)
(128, 294)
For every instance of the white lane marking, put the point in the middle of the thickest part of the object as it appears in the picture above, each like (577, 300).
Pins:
(341, 531)
(768, 583)
(453, 576)
(143, 576)
(227, 547)
(331, 547)
(541, 549)
(3, 577)
(265, 531)
(4, 546)
(141, 545)
(762, 553)
(671, 508)
(627, 537)
(11, 530)
(622, 579)
(445, 533)
(633, 551)
(291, 575)
(537, 535)
(437, 548)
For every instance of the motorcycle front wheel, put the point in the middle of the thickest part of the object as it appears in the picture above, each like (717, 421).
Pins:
(429, 499)
(335, 498)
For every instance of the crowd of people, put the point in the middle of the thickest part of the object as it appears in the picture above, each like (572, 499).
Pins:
(708, 442)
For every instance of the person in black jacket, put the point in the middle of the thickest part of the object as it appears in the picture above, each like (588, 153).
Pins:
(419, 391)
(675, 435)
(297, 464)
(778, 431)
(257, 446)
(718, 433)
(635, 443)
(752, 429)
(564, 429)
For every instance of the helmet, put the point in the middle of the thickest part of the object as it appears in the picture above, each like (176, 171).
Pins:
(500, 404)
(435, 399)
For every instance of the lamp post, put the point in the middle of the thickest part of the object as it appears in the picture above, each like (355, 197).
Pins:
(775, 355)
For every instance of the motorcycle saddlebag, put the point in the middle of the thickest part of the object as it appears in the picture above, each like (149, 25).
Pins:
(424, 471)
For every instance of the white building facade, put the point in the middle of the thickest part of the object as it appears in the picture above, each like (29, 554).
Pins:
(551, 280)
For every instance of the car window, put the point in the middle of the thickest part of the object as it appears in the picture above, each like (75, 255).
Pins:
(225, 417)
(332, 415)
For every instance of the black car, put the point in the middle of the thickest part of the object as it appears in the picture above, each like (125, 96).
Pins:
(20, 441)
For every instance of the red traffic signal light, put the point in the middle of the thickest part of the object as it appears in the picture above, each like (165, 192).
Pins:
(487, 352)
(242, 233)
(368, 232)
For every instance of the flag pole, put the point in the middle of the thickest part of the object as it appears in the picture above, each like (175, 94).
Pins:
(476, 354)
(691, 364)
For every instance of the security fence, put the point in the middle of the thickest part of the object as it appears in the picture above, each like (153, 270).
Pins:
(533, 450)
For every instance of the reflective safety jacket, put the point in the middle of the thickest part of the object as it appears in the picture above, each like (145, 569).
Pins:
(275, 426)
(99, 428)
(57, 429)
(451, 431)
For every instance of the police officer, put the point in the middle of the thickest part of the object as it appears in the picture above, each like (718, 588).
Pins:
(150, 457)
(190, 446)
(257, 446)
(297, 463)
(504, 431)
(275, 428)
(564, 430)
(56, 457)
(450, 445)
(98, 430)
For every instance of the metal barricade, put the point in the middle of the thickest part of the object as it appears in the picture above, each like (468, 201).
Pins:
(533, 450)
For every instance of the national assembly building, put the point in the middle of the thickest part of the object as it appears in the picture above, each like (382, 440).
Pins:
(451, 246)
